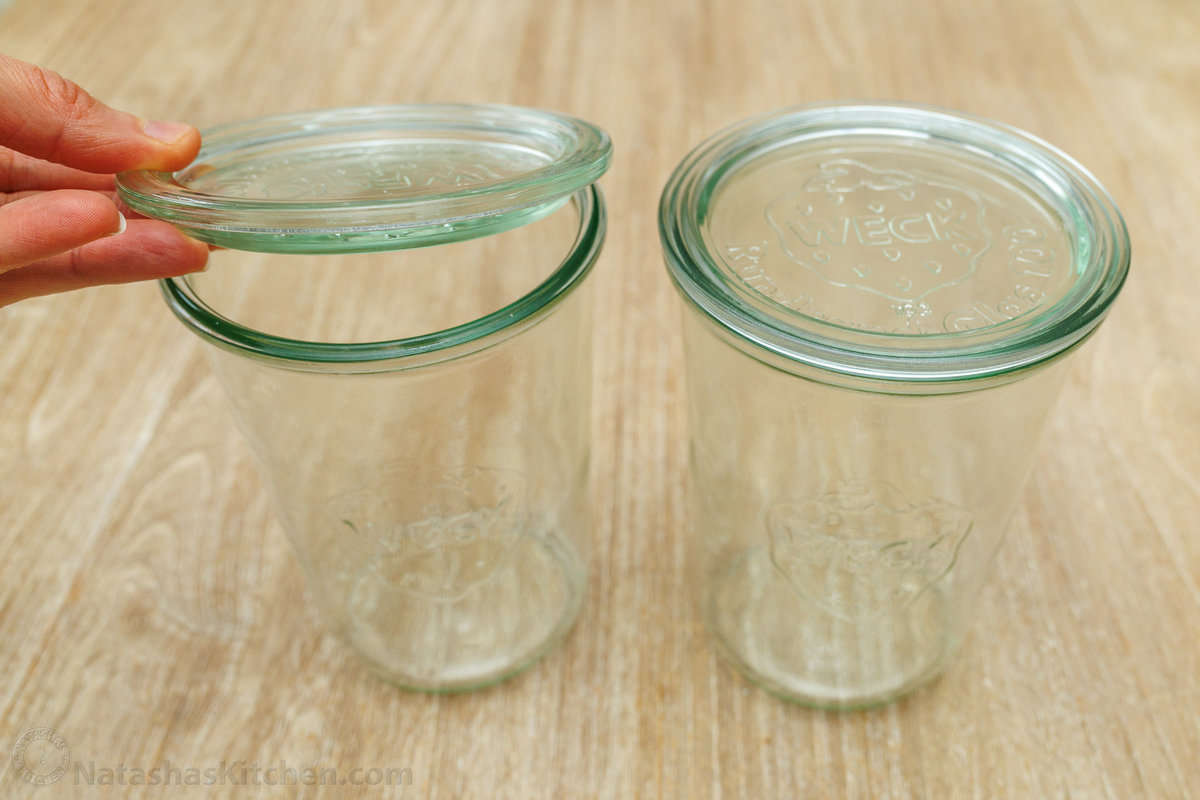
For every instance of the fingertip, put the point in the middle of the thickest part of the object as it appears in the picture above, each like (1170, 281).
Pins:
(177, 253)
(44, 224)
(92, 214)
(200, 255)
(148, 250)
(47, 116)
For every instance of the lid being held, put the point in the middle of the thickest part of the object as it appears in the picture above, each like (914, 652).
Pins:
(373, 178)
(893, 243)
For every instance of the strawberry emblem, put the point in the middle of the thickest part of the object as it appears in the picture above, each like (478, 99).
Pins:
(859, 551)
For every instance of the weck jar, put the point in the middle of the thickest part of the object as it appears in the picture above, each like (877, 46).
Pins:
(880, 302)
(399, 318)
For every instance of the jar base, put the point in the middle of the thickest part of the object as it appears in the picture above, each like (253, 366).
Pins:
(488, 634)
(796, 648)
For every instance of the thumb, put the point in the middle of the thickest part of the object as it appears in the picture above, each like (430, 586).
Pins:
(47, 116)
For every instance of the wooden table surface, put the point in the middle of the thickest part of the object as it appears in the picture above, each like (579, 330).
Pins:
(152, 614)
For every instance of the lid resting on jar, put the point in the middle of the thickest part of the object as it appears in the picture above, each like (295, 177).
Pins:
(373, 178)
(892, 242)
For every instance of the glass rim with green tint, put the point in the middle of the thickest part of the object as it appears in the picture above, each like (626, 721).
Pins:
(373, 179)
(892, 247)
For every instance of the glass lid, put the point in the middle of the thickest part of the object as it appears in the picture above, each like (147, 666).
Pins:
(893, 242)
(373, 178)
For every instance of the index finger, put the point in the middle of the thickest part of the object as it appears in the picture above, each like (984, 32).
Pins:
(47, 116)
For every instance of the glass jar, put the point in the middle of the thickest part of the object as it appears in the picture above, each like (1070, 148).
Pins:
(879, 303)
(400, 323)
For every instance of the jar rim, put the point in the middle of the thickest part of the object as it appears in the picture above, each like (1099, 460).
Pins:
(849, 353)
(409, 352)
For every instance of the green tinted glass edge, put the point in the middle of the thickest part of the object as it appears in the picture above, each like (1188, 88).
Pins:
(681, 209)
(412, 352)
(321, 226)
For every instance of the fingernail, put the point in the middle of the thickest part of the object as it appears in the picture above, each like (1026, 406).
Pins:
(124, 225)
(168, 132)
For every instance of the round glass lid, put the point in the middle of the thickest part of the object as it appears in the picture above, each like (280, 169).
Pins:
(893, 242)
(373, 178)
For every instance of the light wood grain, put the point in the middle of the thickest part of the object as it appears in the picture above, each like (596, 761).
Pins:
(150, 609)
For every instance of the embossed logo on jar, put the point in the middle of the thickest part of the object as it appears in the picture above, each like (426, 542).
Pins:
(860, 550)
(440, 539)
(896, 234)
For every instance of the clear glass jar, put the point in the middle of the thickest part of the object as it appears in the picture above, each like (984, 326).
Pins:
(401, 326)
(879, 302)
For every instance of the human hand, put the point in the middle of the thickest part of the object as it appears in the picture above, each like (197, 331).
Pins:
(60, 227)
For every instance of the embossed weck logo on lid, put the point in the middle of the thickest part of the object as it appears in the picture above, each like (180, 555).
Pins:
(910, 235)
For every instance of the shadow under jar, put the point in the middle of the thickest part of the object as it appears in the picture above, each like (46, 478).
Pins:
(401, 324)
(880, 300)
